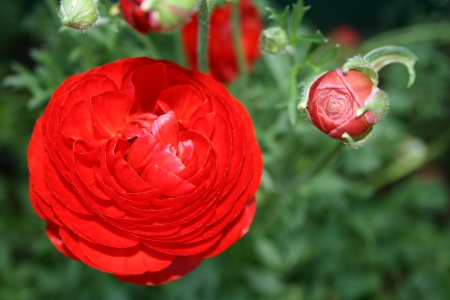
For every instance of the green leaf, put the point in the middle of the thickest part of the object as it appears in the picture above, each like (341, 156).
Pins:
(359, 63)
(280, 17)
(298, 11)
(328, 55)
(313, 38)
(383, 56)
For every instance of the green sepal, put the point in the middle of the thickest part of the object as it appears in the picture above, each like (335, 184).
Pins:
(379, 105)
(302, 105)
(383, 56)
(357, 141)
(359, 63)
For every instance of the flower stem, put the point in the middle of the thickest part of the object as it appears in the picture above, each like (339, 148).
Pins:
(203, 32)
(325, 160)
(237, 39)
(146, 41)
(409, 163)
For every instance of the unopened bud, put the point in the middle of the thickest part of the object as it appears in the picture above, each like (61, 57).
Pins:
(345, 105)
(157, 15)
(273, 40)
(78, 14)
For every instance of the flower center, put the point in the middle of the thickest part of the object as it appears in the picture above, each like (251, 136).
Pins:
(335, 104)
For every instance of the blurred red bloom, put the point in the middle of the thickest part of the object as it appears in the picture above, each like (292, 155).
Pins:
(222, 56)
(334, 99)
(346, 35)
(142, 169)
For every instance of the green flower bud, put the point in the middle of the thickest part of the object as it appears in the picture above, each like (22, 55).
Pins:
(273, 40)
(78, 14)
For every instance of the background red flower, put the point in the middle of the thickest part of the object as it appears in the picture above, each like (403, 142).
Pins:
(143, 169)
(222, 56)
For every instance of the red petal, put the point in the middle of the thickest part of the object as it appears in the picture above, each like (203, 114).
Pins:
(149, 82)
(141, 151)
(180, 266)
(168, 183)
(128, 261)
(53, 234)
(183, 100)
(70, 239)
(108, 112)
(101, 232)
(165, 129)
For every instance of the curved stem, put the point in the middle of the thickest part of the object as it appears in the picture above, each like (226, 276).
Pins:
(203, 35)
(409, 162)
(409, 35)
(324, 161)
(146, 42)
(237, 39)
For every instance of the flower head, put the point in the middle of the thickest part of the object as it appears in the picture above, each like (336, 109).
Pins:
(142, 169)
(223, 63)
(335, 103)
(157, 15)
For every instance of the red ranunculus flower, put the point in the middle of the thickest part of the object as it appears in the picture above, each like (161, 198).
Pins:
(222, 56)
(334, 99)
(142, 169)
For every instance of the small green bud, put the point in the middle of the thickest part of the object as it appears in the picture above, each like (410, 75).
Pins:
(273, 40)
(78, 14)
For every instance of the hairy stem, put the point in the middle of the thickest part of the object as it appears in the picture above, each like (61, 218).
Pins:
(237, 39)
(203, 36)
(321, 164)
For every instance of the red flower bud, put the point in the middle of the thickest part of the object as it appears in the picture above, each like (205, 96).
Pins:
(334, 100)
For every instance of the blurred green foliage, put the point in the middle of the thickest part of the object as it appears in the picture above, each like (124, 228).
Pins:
(374, 225)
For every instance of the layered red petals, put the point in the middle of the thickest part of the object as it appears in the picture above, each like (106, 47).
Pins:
(143, 169)
(334, 99)
(223, 62)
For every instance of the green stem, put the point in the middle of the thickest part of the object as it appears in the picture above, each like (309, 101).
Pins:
(178, 44)
(237, 39)
(203, 32)
(409, 35)
(324, 161)
(52, 9)
(409, 163)
(146, 42)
